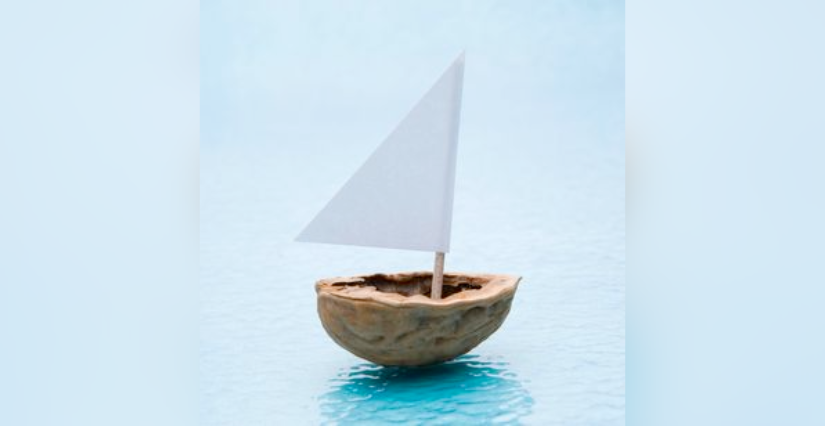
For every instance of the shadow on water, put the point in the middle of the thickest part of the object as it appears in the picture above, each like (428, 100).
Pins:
(466, 390)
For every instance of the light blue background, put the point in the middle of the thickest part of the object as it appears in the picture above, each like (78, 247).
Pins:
(296, 95)
(726, 147)
(98, 173)
(98, 212)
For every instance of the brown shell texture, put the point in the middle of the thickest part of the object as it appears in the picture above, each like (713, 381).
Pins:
(389, 319)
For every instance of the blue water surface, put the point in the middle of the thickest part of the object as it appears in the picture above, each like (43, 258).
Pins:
(295, 96)
(465, 390)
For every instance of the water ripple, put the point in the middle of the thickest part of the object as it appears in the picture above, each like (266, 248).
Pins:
(466, 390)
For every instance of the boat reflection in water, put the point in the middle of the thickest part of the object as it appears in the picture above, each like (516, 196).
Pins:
(467, 390)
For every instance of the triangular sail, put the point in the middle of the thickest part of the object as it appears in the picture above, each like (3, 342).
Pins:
(402, 196)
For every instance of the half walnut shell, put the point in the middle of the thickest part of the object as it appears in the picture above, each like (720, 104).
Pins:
(389, 319)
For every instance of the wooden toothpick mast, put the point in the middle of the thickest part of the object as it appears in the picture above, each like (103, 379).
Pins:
(438, 276)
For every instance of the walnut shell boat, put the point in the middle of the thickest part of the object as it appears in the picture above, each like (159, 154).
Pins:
(389, 319)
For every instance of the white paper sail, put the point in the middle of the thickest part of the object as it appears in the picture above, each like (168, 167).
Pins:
(402, 196)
